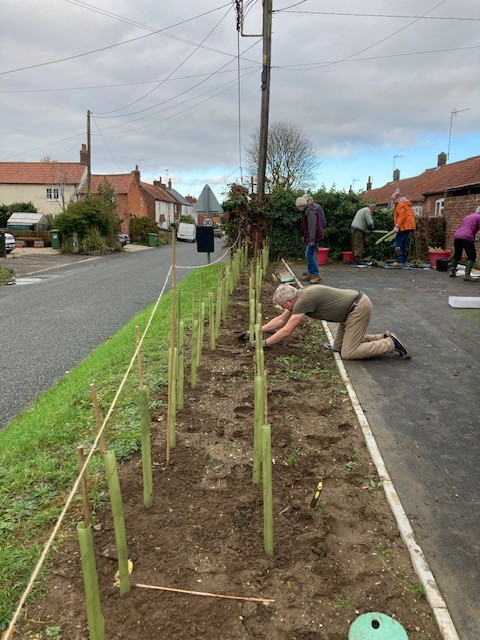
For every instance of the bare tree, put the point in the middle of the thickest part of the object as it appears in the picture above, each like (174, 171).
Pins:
(291, 157)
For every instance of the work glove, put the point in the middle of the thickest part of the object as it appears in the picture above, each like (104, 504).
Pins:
(244, 336)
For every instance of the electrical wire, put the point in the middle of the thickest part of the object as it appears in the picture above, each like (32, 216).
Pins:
(106, 145)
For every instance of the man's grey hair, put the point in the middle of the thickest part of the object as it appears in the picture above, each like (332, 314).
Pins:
(283, 293)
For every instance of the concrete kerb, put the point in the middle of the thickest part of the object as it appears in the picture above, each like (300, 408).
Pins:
(420, 565)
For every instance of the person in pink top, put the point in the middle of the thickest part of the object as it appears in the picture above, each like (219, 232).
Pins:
(464, 240)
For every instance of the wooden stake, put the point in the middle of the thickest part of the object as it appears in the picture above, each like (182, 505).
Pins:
(87, 513)
(98, 417)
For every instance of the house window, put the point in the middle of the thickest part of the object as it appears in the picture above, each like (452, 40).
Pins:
(52, 193)
(418, 210)
(439, 208)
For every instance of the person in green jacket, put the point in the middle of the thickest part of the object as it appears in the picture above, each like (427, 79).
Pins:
(361, 223)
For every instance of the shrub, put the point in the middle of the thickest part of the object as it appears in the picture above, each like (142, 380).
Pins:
(140, 227)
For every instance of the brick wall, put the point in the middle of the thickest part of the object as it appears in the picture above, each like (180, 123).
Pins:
(456, 208)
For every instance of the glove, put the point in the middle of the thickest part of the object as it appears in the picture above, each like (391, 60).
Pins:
(312, 244)
(244, 336)
(264, 344)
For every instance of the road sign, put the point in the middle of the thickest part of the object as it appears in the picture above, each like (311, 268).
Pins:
(207, 222)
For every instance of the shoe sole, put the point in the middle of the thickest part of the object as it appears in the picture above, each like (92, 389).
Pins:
(407, 351)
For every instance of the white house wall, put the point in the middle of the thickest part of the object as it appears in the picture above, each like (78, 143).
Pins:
(37, 195)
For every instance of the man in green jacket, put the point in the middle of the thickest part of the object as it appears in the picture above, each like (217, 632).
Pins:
(362, 222)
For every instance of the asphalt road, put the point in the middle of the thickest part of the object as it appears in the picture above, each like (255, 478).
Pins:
(424, 415)
(54, 317)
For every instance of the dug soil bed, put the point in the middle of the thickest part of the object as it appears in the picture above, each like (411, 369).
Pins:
(204, 532)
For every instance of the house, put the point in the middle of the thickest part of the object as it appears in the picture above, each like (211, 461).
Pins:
(50, 186)
(135, 198)
(448, 190)
(184, 205)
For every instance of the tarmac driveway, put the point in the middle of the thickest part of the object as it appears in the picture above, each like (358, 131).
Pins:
(424, 414)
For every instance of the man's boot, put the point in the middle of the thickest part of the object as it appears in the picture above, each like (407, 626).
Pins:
(453, 267)
(468, 270)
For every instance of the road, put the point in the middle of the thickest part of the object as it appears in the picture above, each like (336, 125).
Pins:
(424, 416)
(52, 321)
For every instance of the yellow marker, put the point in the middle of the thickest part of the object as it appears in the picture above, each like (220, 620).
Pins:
(316, 495)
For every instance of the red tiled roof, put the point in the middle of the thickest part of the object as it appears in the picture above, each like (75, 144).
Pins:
(431, 181)
(41, 172)
(120, 182)
(157, 192)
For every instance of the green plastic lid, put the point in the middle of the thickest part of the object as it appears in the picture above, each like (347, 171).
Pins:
(376, 626)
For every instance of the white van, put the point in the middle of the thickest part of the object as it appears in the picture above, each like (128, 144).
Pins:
(186, 232)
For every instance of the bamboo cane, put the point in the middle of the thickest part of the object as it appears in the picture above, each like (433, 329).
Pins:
(139, 356)
(173, 408)
(98, 417)
(170, 353)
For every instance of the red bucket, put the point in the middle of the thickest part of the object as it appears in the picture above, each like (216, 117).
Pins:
(347, 256)
(322, 255)
(433, 256)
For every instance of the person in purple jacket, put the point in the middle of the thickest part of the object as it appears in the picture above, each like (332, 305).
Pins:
(464, 240)
(313, 225)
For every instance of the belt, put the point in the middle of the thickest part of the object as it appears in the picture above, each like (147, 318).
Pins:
(355, 302)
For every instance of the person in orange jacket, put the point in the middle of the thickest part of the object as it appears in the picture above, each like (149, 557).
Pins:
(404, 220)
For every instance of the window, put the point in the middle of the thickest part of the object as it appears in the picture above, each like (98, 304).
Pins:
(418, 210)
(52, 193)
(439, 208)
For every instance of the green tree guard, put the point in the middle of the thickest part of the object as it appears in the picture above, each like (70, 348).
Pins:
(258, 420)
(201, 328)
(193, 368)
(146, 448)
(96, 622)
(211, 323)
(118, 520)
(267, 490)
(181, 365)
(173, 406)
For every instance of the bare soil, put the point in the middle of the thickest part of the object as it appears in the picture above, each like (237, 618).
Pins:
(205, 530)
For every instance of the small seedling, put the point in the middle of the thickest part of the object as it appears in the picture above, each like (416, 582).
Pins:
(342, 602)
(351, 464)
(417, 589)
(374, 486)
(55, 633)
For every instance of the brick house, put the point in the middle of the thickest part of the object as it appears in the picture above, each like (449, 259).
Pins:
(184, 205)
(448, 190)
(50, 186)
(135, 198)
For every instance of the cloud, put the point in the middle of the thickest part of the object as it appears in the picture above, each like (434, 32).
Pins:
(357, 85)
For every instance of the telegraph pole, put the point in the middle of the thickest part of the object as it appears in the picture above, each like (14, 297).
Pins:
(266, 67)
(89, 156)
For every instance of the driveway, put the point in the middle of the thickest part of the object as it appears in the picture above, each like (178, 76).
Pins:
(424, 415)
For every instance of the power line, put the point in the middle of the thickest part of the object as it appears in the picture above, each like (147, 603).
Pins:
(118, 44)
(376, 15)
(172, 72)
(106, 145)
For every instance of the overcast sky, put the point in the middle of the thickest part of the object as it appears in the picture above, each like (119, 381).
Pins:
(375, 85)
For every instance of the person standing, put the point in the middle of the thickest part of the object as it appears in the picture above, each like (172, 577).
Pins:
(404, 220)
(351, 308)
(313, 225)
(361, 223)
(464, 240)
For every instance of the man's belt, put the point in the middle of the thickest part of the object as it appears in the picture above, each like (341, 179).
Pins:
(355, 302)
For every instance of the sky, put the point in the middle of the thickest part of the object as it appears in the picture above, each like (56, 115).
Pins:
(174, 88)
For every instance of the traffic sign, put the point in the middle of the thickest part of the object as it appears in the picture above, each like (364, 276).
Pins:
(207, 222)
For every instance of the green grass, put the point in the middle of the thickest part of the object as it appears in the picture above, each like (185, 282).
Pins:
(5, 275)
(38, 457)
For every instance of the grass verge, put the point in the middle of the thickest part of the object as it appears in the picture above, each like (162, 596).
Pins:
(38, 458)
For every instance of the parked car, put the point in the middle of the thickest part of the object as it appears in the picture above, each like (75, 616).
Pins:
(123, 239)
(186, 232)
(9, 242)
(217, 232)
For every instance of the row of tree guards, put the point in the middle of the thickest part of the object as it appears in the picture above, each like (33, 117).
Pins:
(216, 312)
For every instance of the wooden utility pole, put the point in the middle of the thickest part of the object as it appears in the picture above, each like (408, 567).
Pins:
(89, 155)
(266, 66)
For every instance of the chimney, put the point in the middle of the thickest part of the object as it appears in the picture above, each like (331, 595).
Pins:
(136, 173)
(369, 183)
(396, 175)
(442, 159)
(158, 183)
(84, 154)
(169, 183)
